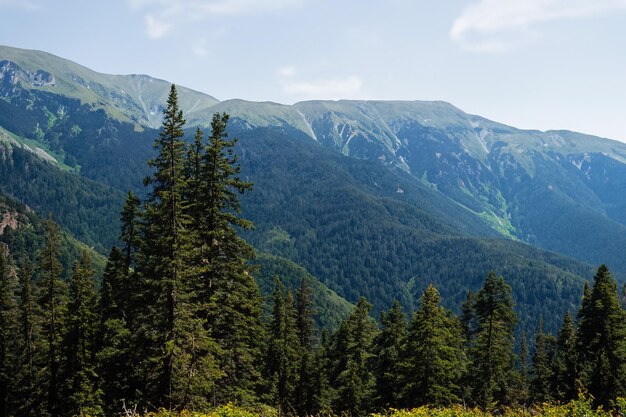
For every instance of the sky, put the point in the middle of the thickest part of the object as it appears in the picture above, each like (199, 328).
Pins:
(534, 64)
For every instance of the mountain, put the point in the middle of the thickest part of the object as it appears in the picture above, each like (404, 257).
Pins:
(133, 98)
(558, 190)
(373, 198)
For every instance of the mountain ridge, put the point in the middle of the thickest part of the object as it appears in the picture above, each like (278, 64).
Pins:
(377, 197)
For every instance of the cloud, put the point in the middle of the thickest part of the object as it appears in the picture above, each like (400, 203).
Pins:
(289, 71)
(164, 15)
(326, 88)
(20, 4)
(496, 25)
(157, 28)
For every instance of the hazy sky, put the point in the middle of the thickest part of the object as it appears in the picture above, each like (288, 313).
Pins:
(544, 64)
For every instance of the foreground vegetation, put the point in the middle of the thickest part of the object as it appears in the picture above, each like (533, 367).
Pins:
(178, 324)
(575, 408)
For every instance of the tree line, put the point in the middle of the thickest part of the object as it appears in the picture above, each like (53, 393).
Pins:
(177, 321)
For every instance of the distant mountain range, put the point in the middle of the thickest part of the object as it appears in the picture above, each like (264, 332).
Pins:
(372, 197)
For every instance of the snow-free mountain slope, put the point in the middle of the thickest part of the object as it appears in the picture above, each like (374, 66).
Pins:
(137, 98)
(374, 198)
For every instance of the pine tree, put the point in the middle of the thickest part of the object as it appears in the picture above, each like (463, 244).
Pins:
(8, 331)
(282, 361)
(492, 351)
(79, 387)
(390, 346)
(602, 340)
(52, 301)
(566, 375)
(353, 352)
(435, 354)
(542, 369)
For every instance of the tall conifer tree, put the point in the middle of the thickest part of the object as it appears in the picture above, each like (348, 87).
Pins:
(542, 370)
(79, 379)
(353, 352)
(390, 346)
(130, 226)
(52, 301)
(305, 391)
(323, 392)
(233, 310)
(8, 331)
(178, 362)
(115, 361)
(566, 376)
(602, 339)
(492, 351)
(521, 395)
(468, 318)
(28, 379)
(435, 356)
(282, 362)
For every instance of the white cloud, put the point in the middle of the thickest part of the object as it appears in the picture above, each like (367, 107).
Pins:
(326, 88)
(20, 4)
(176, 12)
(494, 25)
(288, 71)
(157, 28)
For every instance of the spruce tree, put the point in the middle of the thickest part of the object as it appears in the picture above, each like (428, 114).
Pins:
(468, 318)
(8, 331)
(602, 340)
(52, 301)
(566, 377)
(114, 357)
(305, 390)
(232, 301)
(178, 362)
(435, 356)
(390, 346)
(523, 382)
(130, 226)
(353, 352)
(79, 379)
(542, 369)
(29, 360)
(282, 362)
(492, 351)
(323, 392)
(193, 168)
(468, 326)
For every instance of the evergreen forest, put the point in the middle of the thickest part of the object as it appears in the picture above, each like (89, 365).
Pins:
(178, 322)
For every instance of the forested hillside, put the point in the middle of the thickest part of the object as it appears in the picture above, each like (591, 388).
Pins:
(362, 227)
(178, 322)
(87, 208)
(22, 237)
